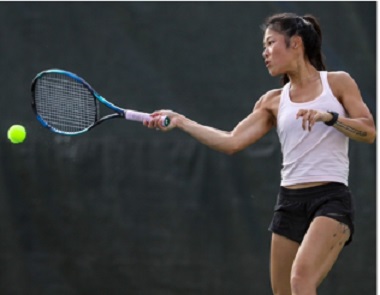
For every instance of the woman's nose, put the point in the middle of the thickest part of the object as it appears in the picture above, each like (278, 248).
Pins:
(265, 53)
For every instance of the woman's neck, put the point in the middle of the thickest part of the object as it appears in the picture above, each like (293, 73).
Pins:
(303, 75)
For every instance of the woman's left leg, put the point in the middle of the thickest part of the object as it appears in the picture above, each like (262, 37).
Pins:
(317, 254)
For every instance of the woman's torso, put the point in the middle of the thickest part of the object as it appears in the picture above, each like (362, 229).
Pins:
(318, 94)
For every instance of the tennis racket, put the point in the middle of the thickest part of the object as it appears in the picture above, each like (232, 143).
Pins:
(66, 104)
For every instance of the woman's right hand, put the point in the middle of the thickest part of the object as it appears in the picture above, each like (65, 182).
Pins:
(156, 121)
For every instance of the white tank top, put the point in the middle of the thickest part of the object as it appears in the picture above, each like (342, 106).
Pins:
(311, 156)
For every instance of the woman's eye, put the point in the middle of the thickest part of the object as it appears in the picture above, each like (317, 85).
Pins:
(268, 43)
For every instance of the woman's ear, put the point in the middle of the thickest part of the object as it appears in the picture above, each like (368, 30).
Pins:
(295, 42)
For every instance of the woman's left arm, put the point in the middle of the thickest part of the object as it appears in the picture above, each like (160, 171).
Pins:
(359, 125)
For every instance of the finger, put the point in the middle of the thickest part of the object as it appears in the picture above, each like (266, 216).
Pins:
(313, 119)
(152, 123)
(317, 116)
(155, 114)
(308, 119)
(161, 113)
(301, 113)
(305, 119)
(310, 123)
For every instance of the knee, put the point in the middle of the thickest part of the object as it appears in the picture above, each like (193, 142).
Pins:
(301, 282)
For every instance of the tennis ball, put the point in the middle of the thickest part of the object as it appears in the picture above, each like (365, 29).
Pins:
(16, 133)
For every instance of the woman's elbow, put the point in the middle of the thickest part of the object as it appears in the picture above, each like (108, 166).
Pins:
(234, 144)
(371, 138)
(233, 149)
(368, 137)
(230, 152)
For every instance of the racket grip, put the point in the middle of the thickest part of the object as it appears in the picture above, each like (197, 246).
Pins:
(140, 117)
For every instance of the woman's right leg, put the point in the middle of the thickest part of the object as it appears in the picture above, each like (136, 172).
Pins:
(283, 252)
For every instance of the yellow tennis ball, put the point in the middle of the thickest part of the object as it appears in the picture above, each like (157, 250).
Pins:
(16, 133)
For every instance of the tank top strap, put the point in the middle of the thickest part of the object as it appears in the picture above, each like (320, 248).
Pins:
(325, 83)
(285, 94)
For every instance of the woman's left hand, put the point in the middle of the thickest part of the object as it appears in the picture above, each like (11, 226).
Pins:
(309, 117)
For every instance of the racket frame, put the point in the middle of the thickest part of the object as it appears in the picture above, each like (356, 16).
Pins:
(118, 112)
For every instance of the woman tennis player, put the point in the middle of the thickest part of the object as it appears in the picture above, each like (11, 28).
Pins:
(315, 114)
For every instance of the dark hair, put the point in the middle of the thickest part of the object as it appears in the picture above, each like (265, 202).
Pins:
(307, 27)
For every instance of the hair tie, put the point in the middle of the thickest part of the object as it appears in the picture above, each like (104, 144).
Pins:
(305, 21)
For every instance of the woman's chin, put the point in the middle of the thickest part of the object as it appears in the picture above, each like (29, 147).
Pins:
(274, 73)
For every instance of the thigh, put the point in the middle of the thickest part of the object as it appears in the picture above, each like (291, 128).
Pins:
(283, 252)
(340, 207)
(320, 248)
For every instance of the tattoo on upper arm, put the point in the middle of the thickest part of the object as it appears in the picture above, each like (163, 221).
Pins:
(350, 129)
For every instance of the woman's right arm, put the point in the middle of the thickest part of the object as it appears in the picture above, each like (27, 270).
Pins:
(246, 132)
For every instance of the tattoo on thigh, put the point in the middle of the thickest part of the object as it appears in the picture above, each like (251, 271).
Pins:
(343, 228)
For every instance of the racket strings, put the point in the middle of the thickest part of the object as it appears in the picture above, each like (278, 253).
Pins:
(65, 103)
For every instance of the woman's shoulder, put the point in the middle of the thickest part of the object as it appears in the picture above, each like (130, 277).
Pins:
(272, 94)
(340, 81)
(338, 77)
(270, 100)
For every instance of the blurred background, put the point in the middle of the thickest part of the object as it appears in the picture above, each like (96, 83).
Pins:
(127, 210)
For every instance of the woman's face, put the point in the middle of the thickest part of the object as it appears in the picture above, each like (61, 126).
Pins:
(276, 54)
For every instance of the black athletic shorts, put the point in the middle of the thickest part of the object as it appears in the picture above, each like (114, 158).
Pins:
(296, 208)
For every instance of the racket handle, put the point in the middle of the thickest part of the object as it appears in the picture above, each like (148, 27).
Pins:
(140, 117)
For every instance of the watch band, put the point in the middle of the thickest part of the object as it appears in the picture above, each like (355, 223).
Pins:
(333, 120)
